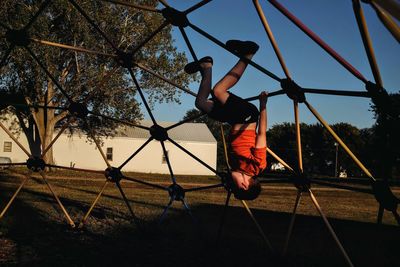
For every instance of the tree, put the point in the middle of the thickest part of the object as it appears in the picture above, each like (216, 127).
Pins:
(94, 80)
(352, 137)
(386, 131)
(318, 150)
(281, 138)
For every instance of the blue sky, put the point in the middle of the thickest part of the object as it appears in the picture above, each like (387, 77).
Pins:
(309, 65)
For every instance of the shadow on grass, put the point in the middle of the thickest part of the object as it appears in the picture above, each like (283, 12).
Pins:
(31, 237)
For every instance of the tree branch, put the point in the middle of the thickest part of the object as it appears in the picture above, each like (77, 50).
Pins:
(60, 116)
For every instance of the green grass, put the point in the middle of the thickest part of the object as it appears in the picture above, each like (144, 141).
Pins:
(34, 231)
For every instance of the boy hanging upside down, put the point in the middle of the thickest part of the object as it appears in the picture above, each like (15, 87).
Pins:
(247, 145)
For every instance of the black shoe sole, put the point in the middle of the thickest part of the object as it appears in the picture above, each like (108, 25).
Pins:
(242, 47)
(194, 66)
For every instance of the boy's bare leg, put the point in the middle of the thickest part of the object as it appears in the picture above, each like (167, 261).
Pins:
(202, 101)
(261, 139)
(230, 79)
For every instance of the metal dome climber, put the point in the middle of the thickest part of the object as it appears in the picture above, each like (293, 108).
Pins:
(80, 111)
(126, 59)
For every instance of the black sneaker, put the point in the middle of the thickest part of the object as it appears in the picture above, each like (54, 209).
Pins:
(194, 66)
(242, 48)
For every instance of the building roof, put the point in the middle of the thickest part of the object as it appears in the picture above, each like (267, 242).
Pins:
(195, 132)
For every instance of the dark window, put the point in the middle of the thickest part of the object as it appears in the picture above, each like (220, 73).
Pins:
(109, 153)
(164, 158)
(7, 146)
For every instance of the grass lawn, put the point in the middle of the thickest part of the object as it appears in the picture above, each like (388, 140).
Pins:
(34, 231)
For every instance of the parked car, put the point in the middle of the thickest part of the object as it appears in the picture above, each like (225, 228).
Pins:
(5, 160)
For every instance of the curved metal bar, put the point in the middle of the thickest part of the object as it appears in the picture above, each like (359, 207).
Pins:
(391, 6)
(148, 38)
(216, 41)
(13, 164)
(73, 48)
(379, 218)
(70, 221)
(224, 212)
(93, 24)
(162, 216)
(318, 40)
(184, 121)
(93, 204)
(228, 166)
(164, 79)
(63, 128)
(204, 187)
(196, 6)
(168, 162)
(189, 45)
(40, 10)
(396, 216)
(337, 138)
(49, 74)
(74, 169)
(362, 26)
(275, 156)
(298, 136)
(355, 189)
(193, 156)
(347, 180)
(264, 237)
(27, 176)
(271, 37)
(120, 121)
(135, 219)
(336, 92)
(145, 183)
(141, 7)
(136, 152)
(15, 140)
(291, 224)
(278, 92)
(164, 3)
(328, 225)
(188, 210)
(99, 148)
(388, 21)
(142, 96)
(41, 106)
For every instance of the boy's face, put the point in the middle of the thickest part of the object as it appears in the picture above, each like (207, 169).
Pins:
(241, 180)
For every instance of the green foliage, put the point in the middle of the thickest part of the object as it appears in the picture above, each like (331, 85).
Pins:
(96, 80)
(88, 78)
(385, 144)
(318, 147)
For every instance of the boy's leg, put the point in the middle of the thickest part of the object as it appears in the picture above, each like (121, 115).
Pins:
(246, 50)
(202, 102)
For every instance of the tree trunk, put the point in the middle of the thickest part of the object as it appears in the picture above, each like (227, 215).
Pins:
(48, 137)
(32, 134)
(45, 120)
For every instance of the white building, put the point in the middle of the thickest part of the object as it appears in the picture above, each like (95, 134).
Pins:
(76, 151)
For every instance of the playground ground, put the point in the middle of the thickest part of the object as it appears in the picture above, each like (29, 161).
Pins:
(34, 231)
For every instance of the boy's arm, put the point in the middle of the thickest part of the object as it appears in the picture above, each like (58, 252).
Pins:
(261, 139)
